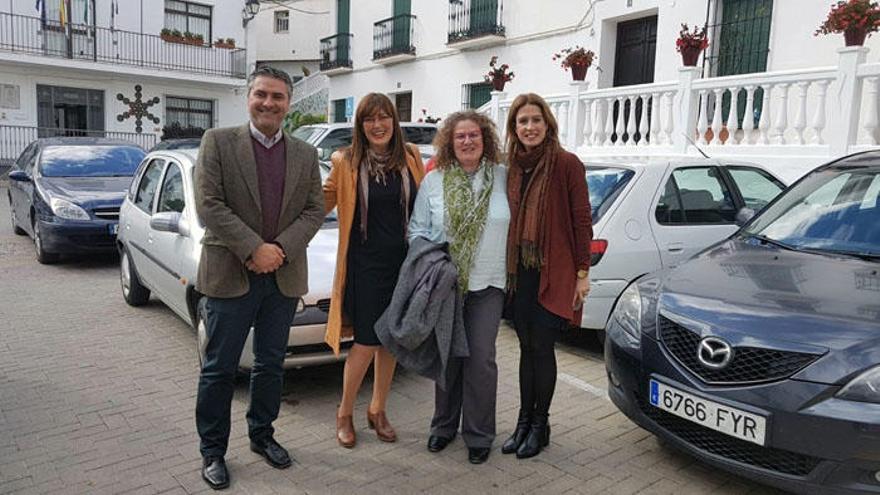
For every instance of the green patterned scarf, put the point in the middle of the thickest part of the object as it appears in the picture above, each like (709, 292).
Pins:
(465, 214)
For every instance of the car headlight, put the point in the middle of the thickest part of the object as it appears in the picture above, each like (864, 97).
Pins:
(67, 210)
(628, 311)
(863, 388)
(300, 305)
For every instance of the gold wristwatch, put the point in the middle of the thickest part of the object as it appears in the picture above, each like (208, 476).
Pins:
(582, 274)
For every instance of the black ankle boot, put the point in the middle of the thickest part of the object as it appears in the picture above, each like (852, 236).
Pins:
(538, 438)
(519, 434)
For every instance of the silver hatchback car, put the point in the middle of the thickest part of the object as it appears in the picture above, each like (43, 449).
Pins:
(159, 242)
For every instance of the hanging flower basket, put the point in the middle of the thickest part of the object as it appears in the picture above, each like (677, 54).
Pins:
(690, 55)
(578, 59)
(498, 75)
(498, 84)
(856, 19)
(690, 44)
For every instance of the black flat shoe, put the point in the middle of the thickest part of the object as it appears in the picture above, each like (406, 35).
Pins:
(437, 443)
(478, 455)
(275, 454)
(214, 472)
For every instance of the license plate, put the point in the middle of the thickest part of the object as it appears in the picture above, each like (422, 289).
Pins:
(719, 417)
(114, 228)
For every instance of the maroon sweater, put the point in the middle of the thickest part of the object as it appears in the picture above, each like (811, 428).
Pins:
(271, 170)
(570, 229)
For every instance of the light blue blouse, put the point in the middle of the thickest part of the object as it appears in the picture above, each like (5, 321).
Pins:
(428, 221)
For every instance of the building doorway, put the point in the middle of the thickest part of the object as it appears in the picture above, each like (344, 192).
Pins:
(69, 111)
(403, 102)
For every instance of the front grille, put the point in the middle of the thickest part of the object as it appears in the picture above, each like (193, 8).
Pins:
(717, 443)
(96, 240)
(107, 213)
(749, 364)
(323, 305)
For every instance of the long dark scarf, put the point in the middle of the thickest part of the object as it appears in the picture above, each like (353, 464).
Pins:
(375, 166)
(526, 237)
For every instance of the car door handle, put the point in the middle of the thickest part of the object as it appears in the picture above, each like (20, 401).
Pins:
(675, 247)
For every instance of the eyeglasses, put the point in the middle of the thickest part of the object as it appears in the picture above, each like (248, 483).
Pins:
(375, 119)
(464, 136)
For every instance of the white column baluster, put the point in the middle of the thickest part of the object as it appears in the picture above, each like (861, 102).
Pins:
(599, 128)
(702, 126)
(588, 121)
(764, 121)
(619, 128)
(656, 136)
(562, 121)
(609, 121)
(869, 126)
(749, 115)
(669, 125)
(800, 119)
(716, 116)
(733, 116)
(780, 124)
(631, 122)
(643, 122)
(819, 116)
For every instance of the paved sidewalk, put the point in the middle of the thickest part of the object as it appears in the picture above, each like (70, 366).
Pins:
(98, 397)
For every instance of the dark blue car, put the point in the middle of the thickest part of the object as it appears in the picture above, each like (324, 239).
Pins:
(66, 192)
(761, 355)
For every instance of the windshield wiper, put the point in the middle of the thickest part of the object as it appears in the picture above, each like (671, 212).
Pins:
(862, 255)
(766, 240)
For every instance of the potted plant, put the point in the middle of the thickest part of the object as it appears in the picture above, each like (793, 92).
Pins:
(691, 43)
(498, 75)
(198, 39)
(224, 43)
(578, 59)
(856, 19)
(165, 34)
(230, 42)
(427, 118)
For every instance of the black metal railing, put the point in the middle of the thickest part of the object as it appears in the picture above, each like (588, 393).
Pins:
(336, 51)
(470, 19)
(14, 139)
(31, 35)
(394, 36)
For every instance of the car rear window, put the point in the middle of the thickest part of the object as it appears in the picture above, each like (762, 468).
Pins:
(90, 161)
(308, 134)
(605, 185)
(419, 135)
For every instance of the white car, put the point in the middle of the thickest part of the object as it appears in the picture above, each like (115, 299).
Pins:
(159, 242)
(655, 214)
(330, 137)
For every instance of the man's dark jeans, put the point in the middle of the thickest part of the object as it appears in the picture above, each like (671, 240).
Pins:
(228, 322)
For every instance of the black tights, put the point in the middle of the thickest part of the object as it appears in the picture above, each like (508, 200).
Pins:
(537, 366)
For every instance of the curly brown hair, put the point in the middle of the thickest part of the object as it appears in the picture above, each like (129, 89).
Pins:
(443, 140)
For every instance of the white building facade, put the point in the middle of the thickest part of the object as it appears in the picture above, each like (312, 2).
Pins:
(808, 99)
(131, 69)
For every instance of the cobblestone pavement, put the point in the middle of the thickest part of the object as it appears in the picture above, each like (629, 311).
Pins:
(98, 397)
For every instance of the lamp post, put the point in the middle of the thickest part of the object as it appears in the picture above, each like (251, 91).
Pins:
(250, 10)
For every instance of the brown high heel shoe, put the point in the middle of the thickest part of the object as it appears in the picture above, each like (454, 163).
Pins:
(345, 434)
(379, 422)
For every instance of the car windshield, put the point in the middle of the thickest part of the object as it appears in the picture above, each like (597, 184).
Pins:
(605, 185)
(90, 161)
(419, 135)
(835, 210)
(177, 144)
(307, 134)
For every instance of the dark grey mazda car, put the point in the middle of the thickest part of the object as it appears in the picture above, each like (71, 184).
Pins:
(761, 355)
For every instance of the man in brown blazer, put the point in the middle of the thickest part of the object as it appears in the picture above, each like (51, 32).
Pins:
(258, 192)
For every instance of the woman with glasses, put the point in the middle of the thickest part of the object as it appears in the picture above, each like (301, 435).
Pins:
(548, 258)
(373, 185)
(463, 201)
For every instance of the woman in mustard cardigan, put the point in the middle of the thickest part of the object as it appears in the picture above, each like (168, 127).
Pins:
(373, 185)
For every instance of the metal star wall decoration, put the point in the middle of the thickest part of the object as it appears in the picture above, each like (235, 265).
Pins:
(137, 108)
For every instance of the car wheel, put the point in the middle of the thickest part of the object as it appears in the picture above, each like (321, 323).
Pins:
(15, 228)
(42, 256)
(134, 293)
(202, 329)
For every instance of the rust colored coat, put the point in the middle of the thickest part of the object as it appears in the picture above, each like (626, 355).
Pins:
(340, 191)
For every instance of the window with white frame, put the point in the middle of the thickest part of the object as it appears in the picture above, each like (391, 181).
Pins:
(188, 17)
(189, 112)
(282, 21)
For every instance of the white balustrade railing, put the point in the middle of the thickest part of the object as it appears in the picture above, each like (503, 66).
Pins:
(824, 111)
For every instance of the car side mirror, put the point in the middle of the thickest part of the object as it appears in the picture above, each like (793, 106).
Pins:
(324, 154)
(19, 176)
(166, 221)
(744, 215)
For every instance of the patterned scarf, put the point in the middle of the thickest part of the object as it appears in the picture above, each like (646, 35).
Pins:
(466, 212)
(375, 166)
(526, 238)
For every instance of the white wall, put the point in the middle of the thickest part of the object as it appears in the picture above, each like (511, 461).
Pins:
(311, 21)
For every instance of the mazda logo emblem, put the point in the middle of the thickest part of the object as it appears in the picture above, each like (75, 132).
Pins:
(714, 353)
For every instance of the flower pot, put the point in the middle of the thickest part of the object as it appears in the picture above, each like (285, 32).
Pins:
(689, 55)
(579, 72)
(855, 36)
(498, 84)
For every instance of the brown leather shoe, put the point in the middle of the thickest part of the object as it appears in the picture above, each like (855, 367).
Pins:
(379, 422)
(345, 431)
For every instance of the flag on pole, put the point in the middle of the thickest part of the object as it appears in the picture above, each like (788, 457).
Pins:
(85, 11)
(62, 13)
(114, 10)
(41, 8)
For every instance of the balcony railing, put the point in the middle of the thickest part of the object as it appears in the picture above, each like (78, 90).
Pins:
(14, 139)
(31, 35)
(470, 19)
(336, 51)
(394, 36)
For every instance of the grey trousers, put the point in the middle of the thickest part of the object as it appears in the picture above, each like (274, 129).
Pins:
(472, 382)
